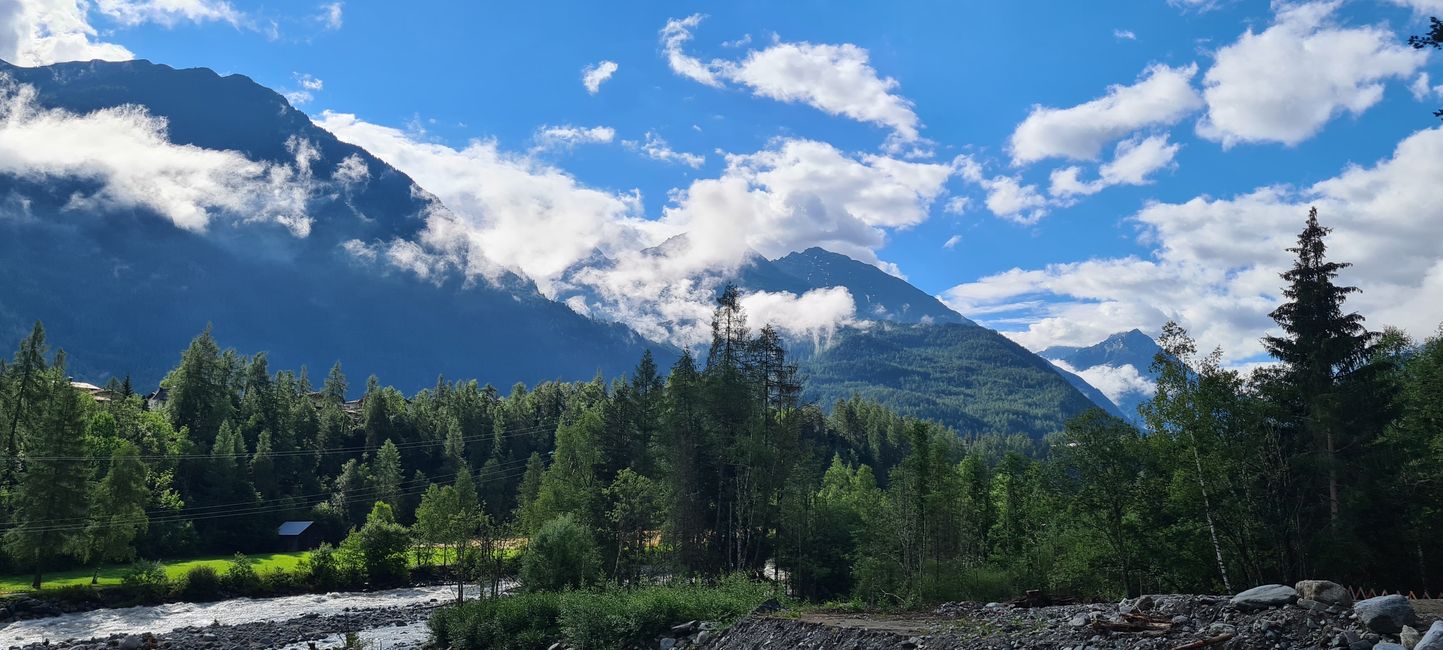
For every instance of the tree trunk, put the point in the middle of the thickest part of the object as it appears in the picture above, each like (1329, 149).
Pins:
(1332, 480)
(1208, 510)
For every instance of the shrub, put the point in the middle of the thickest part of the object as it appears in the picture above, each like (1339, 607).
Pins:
(145, 581)
(379, 547)
(591, 620)
(623, 618)
(561, 555)
(240, 576)
(279, 581)
(201, 583)
(321, 568)
(527, 621)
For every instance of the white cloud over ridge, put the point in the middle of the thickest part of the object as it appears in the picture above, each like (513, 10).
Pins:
(1116, 382)
(1164, 95)
(1285, 83)
(836, 79)
(598, 252)
(1216, 261)
(42, 32)
(127, 153)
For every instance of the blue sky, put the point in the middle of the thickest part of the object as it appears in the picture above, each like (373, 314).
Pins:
(447, 73)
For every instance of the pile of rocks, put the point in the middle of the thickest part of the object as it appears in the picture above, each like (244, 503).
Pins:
(1311, 614)
(302, 631)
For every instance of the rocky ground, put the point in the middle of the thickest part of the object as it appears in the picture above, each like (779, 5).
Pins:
(302, 631)
(1273, 616)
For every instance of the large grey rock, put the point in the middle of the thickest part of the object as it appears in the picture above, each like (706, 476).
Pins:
(1433, 640)
(1387, 645)
(1386, 614)
(1265, 596)
(1324, 591)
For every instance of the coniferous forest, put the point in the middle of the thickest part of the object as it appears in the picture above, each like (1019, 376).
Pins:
(1327, 462)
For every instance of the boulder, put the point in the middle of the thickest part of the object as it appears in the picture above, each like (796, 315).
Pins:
(1386, 614)
(131, 642)
(1387, 645)
(1433, 640)
(1264, 597)
(1324, 591)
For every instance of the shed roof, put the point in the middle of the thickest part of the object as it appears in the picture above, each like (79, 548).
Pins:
(293, 528)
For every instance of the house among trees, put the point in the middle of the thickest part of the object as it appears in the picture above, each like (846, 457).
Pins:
(95, 392)
(298, 535)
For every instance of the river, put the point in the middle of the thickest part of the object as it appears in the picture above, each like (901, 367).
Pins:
(160, 619)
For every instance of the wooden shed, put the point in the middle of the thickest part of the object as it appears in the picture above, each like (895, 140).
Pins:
(298, 536)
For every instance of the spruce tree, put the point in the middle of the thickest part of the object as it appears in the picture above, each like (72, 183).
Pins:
(1320, 347)
(25, 378)
(386, 473)
(49, 503)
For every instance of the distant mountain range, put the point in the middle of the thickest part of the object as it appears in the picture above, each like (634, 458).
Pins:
(123, 289)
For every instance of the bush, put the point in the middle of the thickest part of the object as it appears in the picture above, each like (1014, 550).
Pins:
(321, 568)
(379, 547)
(951, 582)
(624, 618)
(561, 555)
(241, 576)
(201, 583)
(528, 621)
(279, 581)
(145, 581)
(591, 620)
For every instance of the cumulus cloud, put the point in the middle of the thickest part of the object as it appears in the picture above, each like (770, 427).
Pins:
(1124, 35)
(125, 151)
(42, 32)
(1216, 261)
(1133, 161)
(1422, 87)
(598, 252)
(656, 148)
(1163, 96)
(1283, 84)
(957, 205)
(592, 76)
(567, 136)
(814, 315)
(1421, 7)
(836, 79)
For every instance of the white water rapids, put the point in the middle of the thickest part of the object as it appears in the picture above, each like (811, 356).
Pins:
(160, 619)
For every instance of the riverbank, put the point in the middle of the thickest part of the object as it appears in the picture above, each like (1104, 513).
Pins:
(235, 623)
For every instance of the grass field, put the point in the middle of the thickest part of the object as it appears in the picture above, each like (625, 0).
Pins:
(110, 574)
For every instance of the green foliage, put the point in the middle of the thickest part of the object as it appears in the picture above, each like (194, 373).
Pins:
(146, 581)
(591, 620)
(562, 554)
(322, 569)
(379, 547)
(241, 577)
(201, 583)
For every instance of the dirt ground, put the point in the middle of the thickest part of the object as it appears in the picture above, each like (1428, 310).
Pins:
(1429, 609)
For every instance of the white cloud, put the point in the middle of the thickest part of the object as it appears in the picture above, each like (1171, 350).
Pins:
(1116, 382)
(673, 37)
(656, 148)
(1124, 35)
(952, 242)
(567, 136)
(169, 13)
(1421, 7)
(1283, 84)
(1009, 198)
(1162, 96)
(957, 205)
(126, 153)
(1216, 261)
(331, 15)
(836, 79)
(592, 76)
(816, 314)
(41, 32)
(309, 85)
(1132, 162)
(1423, 88)
(596, 250)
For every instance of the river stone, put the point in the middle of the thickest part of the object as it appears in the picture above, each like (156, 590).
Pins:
(1388, 645)
(1386, 614)
(1409, 637)
(1265, 596)
(131, 642)
(1324, 591)
(1433, 640)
